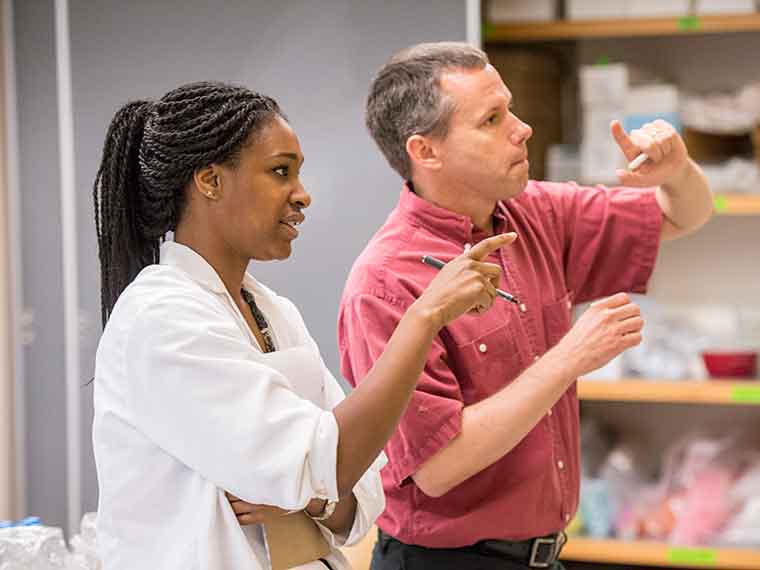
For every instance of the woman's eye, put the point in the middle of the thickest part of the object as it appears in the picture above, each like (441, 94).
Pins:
(492, 119)
(281, 171)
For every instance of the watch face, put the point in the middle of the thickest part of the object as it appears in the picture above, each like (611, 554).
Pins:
(327, 512)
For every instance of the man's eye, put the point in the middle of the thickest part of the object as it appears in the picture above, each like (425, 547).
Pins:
(281, 171)
(492, 119)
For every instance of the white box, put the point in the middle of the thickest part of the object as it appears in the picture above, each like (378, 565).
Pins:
(725, 6)
(595, 9)
(599, 160)
(659, 97)
(522, 10)
(604, 84)
(600, 154)
(658, 8)
(646, 103)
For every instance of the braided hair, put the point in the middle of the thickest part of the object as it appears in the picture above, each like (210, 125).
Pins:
(150, 154)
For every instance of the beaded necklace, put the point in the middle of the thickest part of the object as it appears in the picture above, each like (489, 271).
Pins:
(261, 321)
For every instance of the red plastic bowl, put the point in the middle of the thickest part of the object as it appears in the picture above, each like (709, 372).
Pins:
(731, 364)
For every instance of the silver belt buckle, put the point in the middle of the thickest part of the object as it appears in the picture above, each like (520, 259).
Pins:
(537, 543)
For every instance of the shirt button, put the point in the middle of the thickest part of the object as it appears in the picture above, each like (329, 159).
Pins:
(482, 347)
(567, 518)
(560, 464)
(523, 308)
(549, 413)
(536, 358)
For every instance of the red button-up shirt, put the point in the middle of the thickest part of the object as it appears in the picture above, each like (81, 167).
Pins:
(575, 244)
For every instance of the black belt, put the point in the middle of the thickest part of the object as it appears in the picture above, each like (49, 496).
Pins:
(541, 552)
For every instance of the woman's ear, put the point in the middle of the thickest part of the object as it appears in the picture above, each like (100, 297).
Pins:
(422, 152)
(208, 181)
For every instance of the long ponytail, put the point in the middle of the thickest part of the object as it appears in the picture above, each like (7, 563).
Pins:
(123, 247)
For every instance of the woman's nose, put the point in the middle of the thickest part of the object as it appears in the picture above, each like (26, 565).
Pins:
(301, 197)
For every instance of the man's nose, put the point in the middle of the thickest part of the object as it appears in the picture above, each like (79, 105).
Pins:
(522, 133)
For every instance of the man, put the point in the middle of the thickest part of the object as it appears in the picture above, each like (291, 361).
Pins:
(485, 463)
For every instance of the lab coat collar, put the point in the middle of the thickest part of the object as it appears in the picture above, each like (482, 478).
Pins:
(194, 265)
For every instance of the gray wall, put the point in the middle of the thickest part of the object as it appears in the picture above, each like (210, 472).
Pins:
(315, 58)
(45, 389)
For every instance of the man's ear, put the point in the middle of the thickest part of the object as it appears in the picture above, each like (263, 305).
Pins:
(422, 152)
(208, 181)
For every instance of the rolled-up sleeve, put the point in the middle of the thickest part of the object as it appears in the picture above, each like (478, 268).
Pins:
(370, 499)
(196, 389)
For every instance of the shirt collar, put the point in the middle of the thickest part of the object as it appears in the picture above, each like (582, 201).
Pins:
(198, 269)
(441, 221)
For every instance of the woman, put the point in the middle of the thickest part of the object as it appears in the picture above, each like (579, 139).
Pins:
(208, 386)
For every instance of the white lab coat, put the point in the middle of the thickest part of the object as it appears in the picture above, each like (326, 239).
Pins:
(188, 406)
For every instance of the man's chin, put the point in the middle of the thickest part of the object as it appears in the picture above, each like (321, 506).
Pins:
(514, 188)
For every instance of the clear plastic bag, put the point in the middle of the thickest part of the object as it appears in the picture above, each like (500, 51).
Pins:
(744, 528)
(34, 547)
(84, 553)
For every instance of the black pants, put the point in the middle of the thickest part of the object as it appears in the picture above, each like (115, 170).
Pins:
(390, 554)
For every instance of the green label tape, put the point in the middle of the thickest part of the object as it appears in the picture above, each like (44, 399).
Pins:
(487, 30)
(693, 556)
(688, 23)
(746, 394)
(721, 204)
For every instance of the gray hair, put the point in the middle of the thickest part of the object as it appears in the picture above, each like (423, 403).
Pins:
(405, 97)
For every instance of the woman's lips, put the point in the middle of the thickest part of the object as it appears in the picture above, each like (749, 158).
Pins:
(290, 229)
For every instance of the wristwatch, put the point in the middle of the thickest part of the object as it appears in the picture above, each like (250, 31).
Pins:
(326, 513)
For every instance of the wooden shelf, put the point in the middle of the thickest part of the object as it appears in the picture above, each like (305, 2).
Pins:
(659, 555)
(723, 392)
(737, 204)
(628, 27)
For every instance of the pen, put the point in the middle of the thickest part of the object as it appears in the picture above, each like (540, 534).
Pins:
(638, 161)
(438, 264)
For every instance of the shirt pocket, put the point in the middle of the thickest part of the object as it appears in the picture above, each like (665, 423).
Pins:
(557, 320)
(488, 362)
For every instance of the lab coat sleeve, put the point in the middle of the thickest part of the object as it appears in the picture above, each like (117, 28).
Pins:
(197, 390)
(370, 499)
